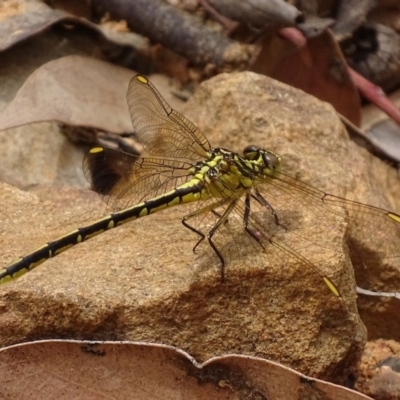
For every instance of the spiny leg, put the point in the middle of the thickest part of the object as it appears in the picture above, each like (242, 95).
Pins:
(222, 219)
(246, 216)
(211, 233)
(260, 199)
(210, 207)
(193, 229)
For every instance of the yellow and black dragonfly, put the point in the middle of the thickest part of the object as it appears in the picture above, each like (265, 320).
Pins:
(243, 198)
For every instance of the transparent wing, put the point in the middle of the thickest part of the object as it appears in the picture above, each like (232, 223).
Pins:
(251, 235)
(376, 227)
(123, 179)
(314, 230)
(373, 233)
(161, 130)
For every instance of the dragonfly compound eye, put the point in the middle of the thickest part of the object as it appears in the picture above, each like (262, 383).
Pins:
(271, 160)
(251, 152)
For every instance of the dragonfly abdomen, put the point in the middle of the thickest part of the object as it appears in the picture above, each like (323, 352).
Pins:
(186, 193)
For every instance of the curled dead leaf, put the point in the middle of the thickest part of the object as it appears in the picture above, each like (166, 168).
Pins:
(120, 370)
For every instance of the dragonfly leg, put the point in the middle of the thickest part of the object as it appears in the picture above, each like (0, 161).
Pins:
(193, 229)
(260, 199)
(196, 213)
(212, 231)
(246, 216)
(222, 219)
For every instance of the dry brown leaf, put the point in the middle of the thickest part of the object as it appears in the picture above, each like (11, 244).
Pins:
(127, 370)
(75, 90)
(30, 17)
(318, 68)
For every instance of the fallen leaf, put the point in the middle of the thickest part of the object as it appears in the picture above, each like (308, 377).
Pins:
(120, 370)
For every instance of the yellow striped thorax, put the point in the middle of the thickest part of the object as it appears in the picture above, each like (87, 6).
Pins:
(227, 172)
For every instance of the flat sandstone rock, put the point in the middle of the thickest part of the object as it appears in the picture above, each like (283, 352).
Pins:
(142, 282)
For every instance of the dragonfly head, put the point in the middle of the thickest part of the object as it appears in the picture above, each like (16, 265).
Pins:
(269, 162)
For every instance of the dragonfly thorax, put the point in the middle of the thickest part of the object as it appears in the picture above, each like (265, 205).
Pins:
(225, 173)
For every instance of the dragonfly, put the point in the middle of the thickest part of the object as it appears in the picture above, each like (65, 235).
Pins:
(244, 199)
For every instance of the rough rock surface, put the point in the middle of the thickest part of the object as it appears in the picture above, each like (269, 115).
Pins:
(316, 150)
(378, 373)
(142, 282)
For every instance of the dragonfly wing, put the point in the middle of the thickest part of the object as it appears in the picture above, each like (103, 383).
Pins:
(161, 130)
(250, 234)
(373, 233)
(374, 237)
(293, 242)
(123, 179)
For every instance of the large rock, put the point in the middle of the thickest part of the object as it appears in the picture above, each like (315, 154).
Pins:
(142, 282)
